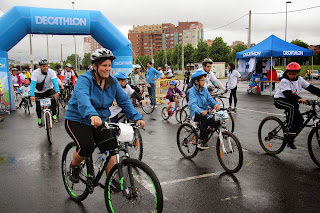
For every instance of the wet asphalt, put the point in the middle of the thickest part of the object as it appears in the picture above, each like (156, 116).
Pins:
(31, 180)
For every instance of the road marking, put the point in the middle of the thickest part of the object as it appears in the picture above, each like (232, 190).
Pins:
(233, 198)
(189, 178)
(147, 186)
(270, 113)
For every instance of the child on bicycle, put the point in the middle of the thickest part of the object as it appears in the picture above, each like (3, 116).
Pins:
(115, 109)
(199, 99)
(172, 95)
(287, 98)
(25, 92)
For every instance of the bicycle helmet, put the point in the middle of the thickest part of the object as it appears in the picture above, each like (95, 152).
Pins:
(121, 75)
(69, 65)
(43, 61)
(198, 73)
(26, 81)
(293, 66)
(207, 60)
(14, 69)
(137, 66)
(174, 83)
(101, 53)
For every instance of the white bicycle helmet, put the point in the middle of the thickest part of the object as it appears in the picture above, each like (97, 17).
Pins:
(69, 65)
(137, 66)
(43, 61)
(101, 53)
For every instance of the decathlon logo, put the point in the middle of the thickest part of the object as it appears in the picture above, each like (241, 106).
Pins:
(60, 21)
(292, 52)
(252, 54)
(119, 63)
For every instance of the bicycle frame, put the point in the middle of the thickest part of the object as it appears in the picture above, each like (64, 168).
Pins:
(44, 112)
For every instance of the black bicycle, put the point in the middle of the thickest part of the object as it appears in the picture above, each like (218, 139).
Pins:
(66, 95)
(228, 147)
(272, 133)
(139, 188)
(26, 104)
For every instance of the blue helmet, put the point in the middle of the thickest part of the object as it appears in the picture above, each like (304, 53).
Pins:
(173, 83)
(121, 75)
(198, 73)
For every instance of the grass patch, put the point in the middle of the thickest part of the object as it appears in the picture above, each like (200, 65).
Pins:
(303, 69)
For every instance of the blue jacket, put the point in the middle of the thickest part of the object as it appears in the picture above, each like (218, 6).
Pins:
(199, 101)
(88, 99)
(152, 73)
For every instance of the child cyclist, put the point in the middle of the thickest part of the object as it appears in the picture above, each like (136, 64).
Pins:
(199, 99)
(25, 92)
(115, 109)
(287, 98)
(172, 95)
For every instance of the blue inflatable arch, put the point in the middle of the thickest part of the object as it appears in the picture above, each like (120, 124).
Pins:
(20, 21)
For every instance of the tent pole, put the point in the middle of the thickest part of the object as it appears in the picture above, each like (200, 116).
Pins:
(271, 76)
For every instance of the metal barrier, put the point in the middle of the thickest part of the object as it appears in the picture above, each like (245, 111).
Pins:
(162, 89)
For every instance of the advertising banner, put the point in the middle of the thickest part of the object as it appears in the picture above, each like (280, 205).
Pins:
(122, 64)
(4, 83)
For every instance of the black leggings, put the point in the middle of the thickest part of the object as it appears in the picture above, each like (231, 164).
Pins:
(234, 95)
(204, 123)
(46, 94)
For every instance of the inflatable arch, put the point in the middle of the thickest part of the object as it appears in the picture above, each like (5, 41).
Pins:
(20, 21)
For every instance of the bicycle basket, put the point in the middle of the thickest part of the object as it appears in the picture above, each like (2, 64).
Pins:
(221, 115)
(126, 133)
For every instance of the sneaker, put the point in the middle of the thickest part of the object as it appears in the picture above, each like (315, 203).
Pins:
(235, 109)
(54, 119)
(40, 123)
(203, 145)
(115, 186)
(75, 170)
(291, 145)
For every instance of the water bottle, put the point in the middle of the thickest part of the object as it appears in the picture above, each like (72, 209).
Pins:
(101, 159)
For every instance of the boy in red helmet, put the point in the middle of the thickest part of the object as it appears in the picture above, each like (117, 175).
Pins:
(25, 92)
(287, 98)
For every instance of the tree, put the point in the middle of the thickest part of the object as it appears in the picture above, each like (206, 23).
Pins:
(142, 60)
(238, 48)
(176, 55)
(86, 60)
(159, 59)
(170, 61)
(71, 59)
(201, 52)
(188, 53)
(300, 60)
(55, 65)
(219, 51)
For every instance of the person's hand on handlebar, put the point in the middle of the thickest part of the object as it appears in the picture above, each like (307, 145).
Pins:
(141, 123)
(217, 107)
(96, 121)
(56, 96)
(204, 112)
(143, 102)
(302, 100)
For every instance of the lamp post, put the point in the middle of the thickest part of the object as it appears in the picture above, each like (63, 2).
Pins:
(285, 35)
(75, 47)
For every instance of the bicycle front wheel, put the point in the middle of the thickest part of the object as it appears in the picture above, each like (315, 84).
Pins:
(49, 127)
(140, 185)
(314, 145)
(135, 148)
(187, 140)
(77, 191)
(219, 101)
(164, 113)
(271, 135)
(229, 124)
(148, 108)
(185, 114)
(229, 152)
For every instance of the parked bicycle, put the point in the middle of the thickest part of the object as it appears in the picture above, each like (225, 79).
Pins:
(148, 108)
(272, 133)
(46, 116)
(228, 147)
(140, 189)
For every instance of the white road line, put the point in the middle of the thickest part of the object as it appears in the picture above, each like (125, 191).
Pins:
(189, 178)
(270, 113)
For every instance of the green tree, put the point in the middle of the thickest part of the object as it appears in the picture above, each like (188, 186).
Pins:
(201, 52)
(300, 60)
(142, 60)
(159, 59)
(71, 59)
(55, 65)
(176, 56)
(170, 60)
(219, 51)
(86, 60)
(236, 49)
(188, 53)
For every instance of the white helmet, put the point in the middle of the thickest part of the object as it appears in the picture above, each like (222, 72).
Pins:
(101, 53)
(137, 66)
(43, 61)
(69, 65)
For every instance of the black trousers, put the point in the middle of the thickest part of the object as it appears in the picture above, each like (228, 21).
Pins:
(234, 95)
(204, 123)
(294, 117)
(46, 94)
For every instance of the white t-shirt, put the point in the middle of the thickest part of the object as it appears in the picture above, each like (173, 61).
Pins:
(67, 76)
(115, 110)
(294, 86)
(25, 91)
(233, 79)
(38, 77)
(22, 76)
(14, 79)
(169, 73)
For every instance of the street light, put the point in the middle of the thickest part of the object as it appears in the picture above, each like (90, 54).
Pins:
(75, 46)
(285, 36)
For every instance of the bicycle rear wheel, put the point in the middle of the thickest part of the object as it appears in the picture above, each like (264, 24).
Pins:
(229, 124)
(187, 140)
(271, 135)
(164, 113)
(77, 191)
(148, 108)
(219, 101)
(314, 145)
(143, 189)
(49, 127)
(135, 148)
(185, 114)
(231, 158)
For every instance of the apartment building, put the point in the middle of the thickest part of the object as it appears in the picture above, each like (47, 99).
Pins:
(90, 44)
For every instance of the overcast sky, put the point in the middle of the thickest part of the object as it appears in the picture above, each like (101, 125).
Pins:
(303, 25)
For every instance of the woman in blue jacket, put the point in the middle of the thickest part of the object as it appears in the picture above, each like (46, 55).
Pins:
(199, 99)
(93, 94)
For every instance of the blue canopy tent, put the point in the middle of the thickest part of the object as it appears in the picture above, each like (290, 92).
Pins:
(274, 47)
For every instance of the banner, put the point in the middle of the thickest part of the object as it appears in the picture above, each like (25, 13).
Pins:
(122, 64)
(4, 82)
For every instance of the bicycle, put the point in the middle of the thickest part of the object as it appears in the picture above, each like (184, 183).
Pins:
(46, 116)
(272, 134)
(66, 95)
(228, 147)
(140, 189)
(176, 110)
(148, 108)
(26, 103)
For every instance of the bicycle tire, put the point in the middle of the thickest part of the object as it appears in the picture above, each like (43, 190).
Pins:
(135, 148)
(28, 108)
(148, 108)
(187, 140)
(314, 145)
(57, 110)
(164, 113)
(229, 125)
(77, 191)
(185, 114)
(184, 101)
(234, 165)
(278, 145)
(141, 184)
(49, 127)
(219, 101)
(178, 115)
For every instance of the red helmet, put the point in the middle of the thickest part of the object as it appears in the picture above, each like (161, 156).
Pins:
(293, 66)
(26, 81)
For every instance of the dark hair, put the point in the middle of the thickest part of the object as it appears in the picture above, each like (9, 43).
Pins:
(232, 67)
(205, 63)
(149, 62)
(198, 78)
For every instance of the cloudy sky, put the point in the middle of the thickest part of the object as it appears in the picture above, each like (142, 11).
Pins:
(214, 14)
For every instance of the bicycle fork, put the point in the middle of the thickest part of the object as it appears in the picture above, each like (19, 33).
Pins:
(47, 111)
(223, 141)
